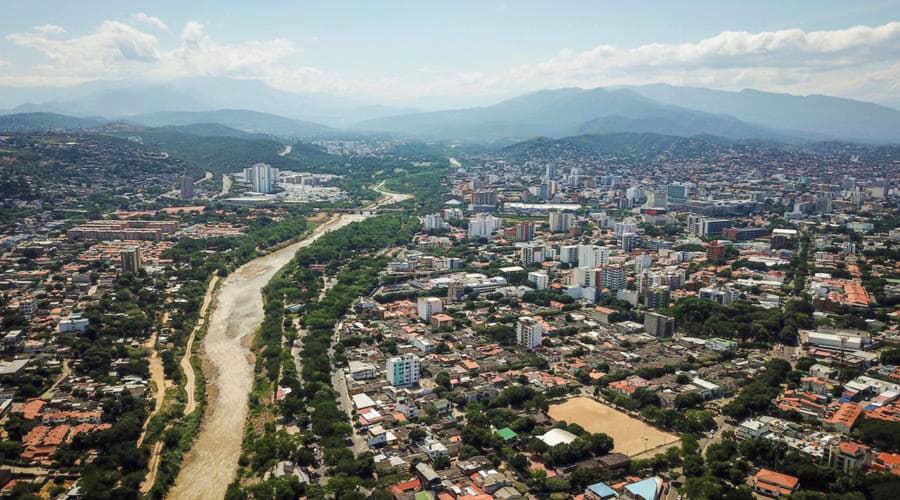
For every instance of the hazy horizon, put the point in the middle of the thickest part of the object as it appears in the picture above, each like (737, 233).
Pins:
(469, 53)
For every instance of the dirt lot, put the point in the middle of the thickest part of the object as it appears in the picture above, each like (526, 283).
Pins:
(631, 436)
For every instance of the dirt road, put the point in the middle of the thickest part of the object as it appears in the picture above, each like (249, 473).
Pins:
(210, 465)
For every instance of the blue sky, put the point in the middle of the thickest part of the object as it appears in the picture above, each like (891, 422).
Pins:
(400, 50)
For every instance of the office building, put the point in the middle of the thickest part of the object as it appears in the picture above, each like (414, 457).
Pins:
(659, 325)
(131, 260)
(187, 187)
(403, 371)
(426, 306)
(484, 226)
(529, 332)
(677, 194)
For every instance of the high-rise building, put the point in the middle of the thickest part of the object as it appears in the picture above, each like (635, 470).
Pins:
(568, 254)
(186, 184)
(656, 297)
(434, 222)
(583, 277)
(403, 370)
(677, 194)
(483, 226)
(561, 222)
(484, 197)
(629, 241)
(426, 306)
(656, 199)
(592, 256)
(659, 325)
(531, 254)
(612, 278)
(626, 226)
(525, 231)
(641, 263)
(262, 177)
(131, 260)
(539, 279)
(529, 332)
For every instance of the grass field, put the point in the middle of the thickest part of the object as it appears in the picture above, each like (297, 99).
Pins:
(631, 436)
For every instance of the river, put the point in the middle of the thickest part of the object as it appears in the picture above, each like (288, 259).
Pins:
(210, 466)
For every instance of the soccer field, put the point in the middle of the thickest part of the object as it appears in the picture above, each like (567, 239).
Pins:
(631, 436)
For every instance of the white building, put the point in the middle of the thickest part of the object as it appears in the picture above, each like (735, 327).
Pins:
(531, 254)
(540, 279)
(561, 222)
(529, 332)
(641, 263)
(612, 277)
(568, 254)
(427, 306)
(483, 226)
(403, 370)
(74, 323)
(262, 177)
(592, 256)
(434, 222)
(360, 370)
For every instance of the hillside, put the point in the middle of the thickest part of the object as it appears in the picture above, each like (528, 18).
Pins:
(816, 114)
(222, 153)
(33, 122)
(565, 112)
(240, 119)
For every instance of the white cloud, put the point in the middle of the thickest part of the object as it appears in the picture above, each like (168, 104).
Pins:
(118, 50)
(153, 21)
(860, 61)
(50, 29)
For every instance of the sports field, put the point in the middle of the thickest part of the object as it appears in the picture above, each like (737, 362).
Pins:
(631, 436)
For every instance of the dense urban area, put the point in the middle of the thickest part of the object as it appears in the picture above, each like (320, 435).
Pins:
(634, 316)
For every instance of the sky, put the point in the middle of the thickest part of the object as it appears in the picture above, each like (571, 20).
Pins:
(461, 51)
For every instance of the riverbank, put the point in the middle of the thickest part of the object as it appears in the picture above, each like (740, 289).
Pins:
(210, 465)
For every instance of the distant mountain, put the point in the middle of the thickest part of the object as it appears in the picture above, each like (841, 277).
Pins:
(239, 119)
(120, 99)
(565, 112)
(32, 122)
(816, 114)
(211, 130)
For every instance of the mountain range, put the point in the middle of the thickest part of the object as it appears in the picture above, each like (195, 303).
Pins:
(254, 108)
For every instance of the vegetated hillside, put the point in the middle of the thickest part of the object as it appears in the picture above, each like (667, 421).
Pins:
(34, 122)
(240, 119)
(223, 154)
(211, 130)
(830, 116)
(564, 112)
